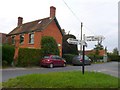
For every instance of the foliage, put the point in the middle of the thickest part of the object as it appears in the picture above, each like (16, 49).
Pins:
(113, 57)
(71, 79)
(68, 58)
(98, 47)
(69, 48)
(49, 46)
(94, 57)
(115, 51)
(29, 57)
(7, 54)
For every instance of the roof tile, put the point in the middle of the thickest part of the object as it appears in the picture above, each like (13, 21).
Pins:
(31, 26)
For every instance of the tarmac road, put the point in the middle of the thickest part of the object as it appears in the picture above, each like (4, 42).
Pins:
(110, 68)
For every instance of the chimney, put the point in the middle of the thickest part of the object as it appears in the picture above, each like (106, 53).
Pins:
(52, 11)
(20, 20)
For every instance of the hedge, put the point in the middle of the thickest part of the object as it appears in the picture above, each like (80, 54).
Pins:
(114, 57)
(7, 54)
(94, 57)
(49, 46)
(68, 58)
(29, 57)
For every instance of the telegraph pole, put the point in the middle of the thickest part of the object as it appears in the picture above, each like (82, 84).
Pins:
(81, 39)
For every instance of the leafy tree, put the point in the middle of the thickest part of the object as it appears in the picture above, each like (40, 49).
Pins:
(115, 51)
(98, 47)
(69, 48)
(49, 46)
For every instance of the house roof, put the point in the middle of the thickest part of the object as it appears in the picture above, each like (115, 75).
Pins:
(37, 25)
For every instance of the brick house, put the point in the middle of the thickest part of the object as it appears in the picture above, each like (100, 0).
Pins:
(101, 52)
(29, 34)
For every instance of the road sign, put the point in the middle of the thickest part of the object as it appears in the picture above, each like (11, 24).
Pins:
(94, 38)
(74, 41)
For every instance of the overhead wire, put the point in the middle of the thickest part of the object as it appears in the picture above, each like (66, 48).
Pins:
(77, 17)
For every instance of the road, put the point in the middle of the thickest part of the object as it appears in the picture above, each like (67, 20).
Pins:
(110, 68)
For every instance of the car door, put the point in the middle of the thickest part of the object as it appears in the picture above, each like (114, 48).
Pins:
(54, 59)
(59, 61)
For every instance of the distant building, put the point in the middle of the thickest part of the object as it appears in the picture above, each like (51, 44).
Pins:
(3, 38)
(101, 52)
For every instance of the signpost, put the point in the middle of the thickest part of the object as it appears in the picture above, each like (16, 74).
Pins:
(83, 43)
(74, 41)
(94, 38)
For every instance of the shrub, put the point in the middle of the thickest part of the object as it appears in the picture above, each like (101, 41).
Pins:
(29, 57)
(68, 58)
(95, 57)
(49, 46)
(113, 57)
(69, 48)
(7, 54)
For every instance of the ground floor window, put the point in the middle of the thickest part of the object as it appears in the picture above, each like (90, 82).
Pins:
(31, 38)
(21, 39)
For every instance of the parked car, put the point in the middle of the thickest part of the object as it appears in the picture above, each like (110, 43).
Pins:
(78, 60)
(52, 61)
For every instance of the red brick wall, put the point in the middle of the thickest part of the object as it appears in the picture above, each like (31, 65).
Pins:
(52, 30)
(26, 44)
(101, 52)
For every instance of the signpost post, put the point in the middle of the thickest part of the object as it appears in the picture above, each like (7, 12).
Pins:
(83, 44)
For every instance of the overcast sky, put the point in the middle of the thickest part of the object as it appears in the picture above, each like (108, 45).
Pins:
(99, 17)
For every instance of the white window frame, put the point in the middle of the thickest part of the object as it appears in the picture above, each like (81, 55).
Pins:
(31, 38)
(20, 38)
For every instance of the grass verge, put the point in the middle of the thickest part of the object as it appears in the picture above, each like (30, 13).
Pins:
(0, 84)
(73, 79)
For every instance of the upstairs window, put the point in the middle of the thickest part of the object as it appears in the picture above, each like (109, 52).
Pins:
(13, 39)
(21, 39)
(31, 38)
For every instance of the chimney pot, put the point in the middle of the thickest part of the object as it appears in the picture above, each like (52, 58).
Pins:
(20, 20)
(52, 11)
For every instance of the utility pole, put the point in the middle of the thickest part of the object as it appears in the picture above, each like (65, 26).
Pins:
(81, 39)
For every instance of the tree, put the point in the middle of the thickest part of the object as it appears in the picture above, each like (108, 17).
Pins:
(115, 51)
(49, 46)
(69, 48)
(98, 47)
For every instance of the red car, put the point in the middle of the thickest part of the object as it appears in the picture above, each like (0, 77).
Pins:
(53, 60)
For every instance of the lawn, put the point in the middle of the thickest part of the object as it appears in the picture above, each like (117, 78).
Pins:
(0, 85)
(73, 79)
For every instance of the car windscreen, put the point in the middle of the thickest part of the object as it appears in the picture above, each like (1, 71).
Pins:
(86, 58)
(46, 57)
(80, 57)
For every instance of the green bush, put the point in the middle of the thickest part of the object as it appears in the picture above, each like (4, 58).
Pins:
(69, 48)
(113, 57)
(68, 58)
(29, 57)
(7, 54)
(95, 57)
(49, 46)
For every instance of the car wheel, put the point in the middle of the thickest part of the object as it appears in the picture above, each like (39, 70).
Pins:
(51, 65)
(64, 65)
